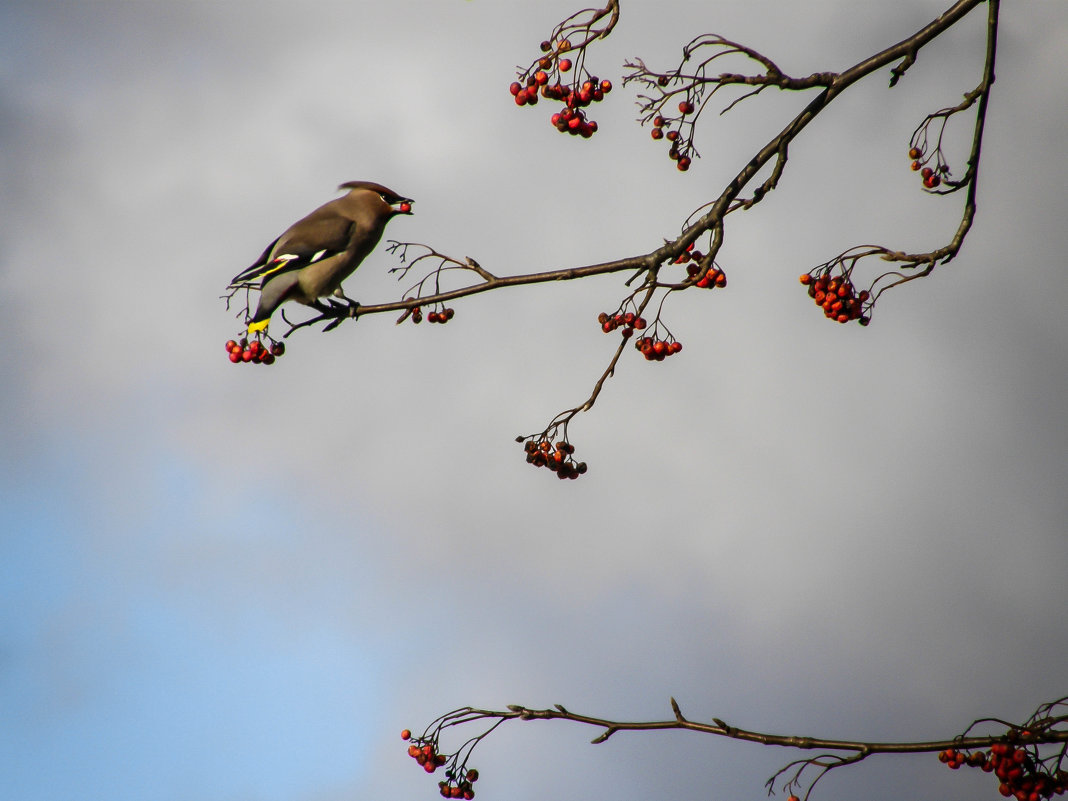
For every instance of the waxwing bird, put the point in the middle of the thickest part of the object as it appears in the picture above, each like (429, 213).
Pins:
(311, 259)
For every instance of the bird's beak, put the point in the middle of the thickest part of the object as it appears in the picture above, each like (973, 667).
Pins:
(403, 206)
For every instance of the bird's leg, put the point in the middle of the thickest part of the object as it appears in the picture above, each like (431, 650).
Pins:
(354, 305)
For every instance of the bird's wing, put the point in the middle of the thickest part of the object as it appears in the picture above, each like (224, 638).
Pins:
(308, 241)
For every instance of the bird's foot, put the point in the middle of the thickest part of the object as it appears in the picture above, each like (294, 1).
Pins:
(344, 302)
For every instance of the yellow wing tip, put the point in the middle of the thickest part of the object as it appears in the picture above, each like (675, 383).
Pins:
(255, 328)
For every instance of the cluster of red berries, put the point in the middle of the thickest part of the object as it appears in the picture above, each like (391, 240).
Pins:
(424, 753)
(681, 157)
(931, 177)
(437, 316)
(628, 321)
(1016, 769)
(462, 787)
(656, 350)
(575, 97)
(559, 458)
(256, 352)
(713, 279)
(837, 297)
(457, 784)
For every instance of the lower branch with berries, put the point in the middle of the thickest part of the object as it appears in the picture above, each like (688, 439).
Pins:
(1026, 759)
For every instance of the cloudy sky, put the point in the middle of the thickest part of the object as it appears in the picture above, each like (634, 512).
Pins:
(241, 583)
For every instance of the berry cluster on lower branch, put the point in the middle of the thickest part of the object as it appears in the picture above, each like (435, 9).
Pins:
(1018, 769)
(458, 778)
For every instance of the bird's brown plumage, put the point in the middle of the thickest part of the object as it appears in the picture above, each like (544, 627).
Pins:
(315, 254)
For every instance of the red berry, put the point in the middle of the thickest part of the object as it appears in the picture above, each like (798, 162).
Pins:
(685, 107)
(278, 349)
(657, 133)
(565, 63)
(926, 172)
(406, 734)
(541, 78)
(683, 164)
(658, 121)
(806, 279)
(606, 86)
(515, 87)
(235, 356)
(246, 356)
(230, 345)
(915, 153)
(915, 166)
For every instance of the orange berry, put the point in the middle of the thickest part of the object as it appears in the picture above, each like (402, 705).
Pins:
(406, 734)
(915, 153)
(565, 64)
(806, 279)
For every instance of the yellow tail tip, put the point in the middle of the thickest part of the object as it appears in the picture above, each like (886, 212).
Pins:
(255, 328)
